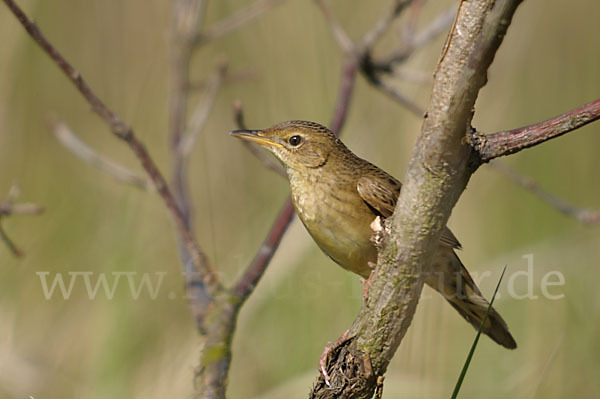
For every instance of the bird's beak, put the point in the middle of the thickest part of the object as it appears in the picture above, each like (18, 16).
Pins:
(255, 137)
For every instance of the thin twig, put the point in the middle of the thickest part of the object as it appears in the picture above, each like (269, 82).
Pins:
(13, 193)
(586, 216)
(413, 76)
(347, 80)
(414, 42)
(185, 24)
(25, 208)
(69, 139)
(362, 52)
(9, 243)
(7, 208)
(236, 21)
(495, 145)
(393, 93)
(408, 29)
(339, 34)
(243, 75)
(371, 37)
(202, 111)
(436, 27)
(257, 267)
(125, 133)
(266, 159)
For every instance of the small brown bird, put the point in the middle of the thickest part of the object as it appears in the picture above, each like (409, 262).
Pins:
(337, 195)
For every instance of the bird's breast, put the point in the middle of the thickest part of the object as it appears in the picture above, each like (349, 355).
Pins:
(338, 220)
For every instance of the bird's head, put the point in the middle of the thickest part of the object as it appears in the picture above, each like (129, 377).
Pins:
(298, 144)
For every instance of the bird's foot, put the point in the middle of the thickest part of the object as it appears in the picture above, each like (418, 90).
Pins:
(365, 293)
(323, 358)
(378, 230)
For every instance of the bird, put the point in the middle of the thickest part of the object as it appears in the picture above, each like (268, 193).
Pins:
(337, 196)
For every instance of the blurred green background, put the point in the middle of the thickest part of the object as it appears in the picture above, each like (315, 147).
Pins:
(126, 347)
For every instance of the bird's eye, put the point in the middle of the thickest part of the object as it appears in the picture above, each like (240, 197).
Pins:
(295, 140)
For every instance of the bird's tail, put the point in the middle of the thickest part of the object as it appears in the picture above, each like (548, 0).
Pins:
(453, 281)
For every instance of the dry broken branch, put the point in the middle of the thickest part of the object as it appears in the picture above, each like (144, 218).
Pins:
(81, 150)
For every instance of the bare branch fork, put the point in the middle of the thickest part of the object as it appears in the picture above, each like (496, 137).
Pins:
(441, 157)
(373, 67)
(125, 133)
(360, 53)
(444, 160)
(9, 207)
(214, 307)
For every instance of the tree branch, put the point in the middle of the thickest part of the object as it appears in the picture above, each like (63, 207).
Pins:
(499, 144)
(243, 75)
(186, 18)
(382, 25)
(266, 159)
(362, 52)
(347, 80)
(438, 173)
(125, 133)
(338, 32)
(586, 216)
(257, 267)
(9, 243)
(414, 42)
(25, 208)
(394, 94)
(7, 208)
(81, 150)
(236, 21)
(203, 110)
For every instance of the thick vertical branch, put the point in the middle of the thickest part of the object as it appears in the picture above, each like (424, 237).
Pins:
(437, 174)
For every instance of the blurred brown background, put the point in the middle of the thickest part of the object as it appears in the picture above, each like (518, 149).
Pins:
(147, 347)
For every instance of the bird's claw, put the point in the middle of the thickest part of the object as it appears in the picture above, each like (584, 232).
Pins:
(323, 358)
(365, 293)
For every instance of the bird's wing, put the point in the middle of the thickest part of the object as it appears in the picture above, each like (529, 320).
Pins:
(380, 192)
(448, 239)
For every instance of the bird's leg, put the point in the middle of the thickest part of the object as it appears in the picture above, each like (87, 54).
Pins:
(367, 282)
(323, 358)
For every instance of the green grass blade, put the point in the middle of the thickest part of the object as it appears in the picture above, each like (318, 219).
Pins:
(470, 355)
